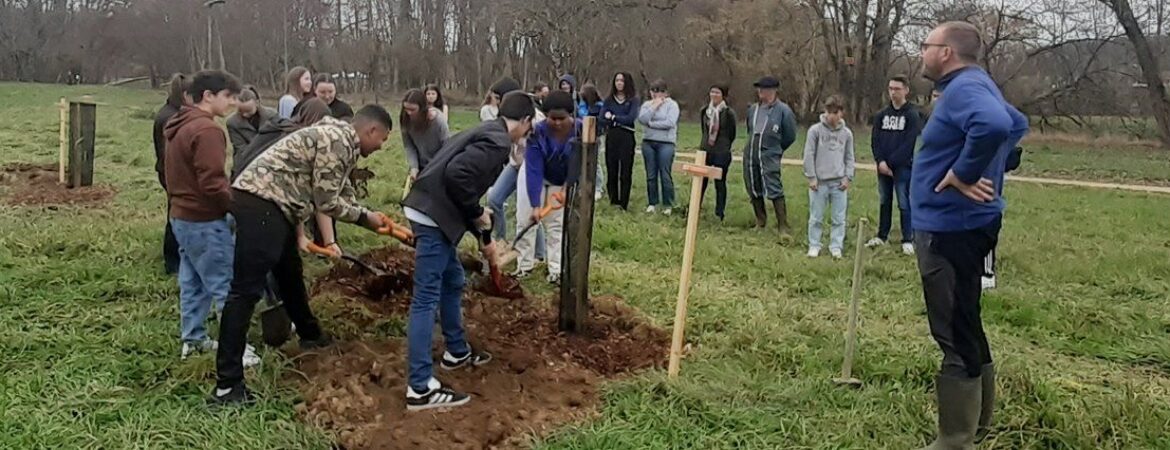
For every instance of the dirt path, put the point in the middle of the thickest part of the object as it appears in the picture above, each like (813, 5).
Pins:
(1034, 180)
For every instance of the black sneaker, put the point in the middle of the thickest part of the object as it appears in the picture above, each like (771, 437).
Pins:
(237, 396)
(472, 358)
(438, 396)
(316, 344)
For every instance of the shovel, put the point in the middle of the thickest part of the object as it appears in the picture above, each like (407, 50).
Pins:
(316, 249)
(510, 254)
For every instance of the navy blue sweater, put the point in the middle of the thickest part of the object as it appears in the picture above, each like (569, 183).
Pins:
(895, 132)
(626, 113)
(971, 131)
(547, 159)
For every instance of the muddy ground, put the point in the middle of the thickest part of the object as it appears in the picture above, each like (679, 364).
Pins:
(539, 379)
(36, 185)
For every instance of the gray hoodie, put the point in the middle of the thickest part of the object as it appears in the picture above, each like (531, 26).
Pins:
(828, 152)
(661, 124)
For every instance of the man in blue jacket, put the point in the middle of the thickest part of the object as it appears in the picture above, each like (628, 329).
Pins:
(895, 132)
(771, 129)
(955, 193)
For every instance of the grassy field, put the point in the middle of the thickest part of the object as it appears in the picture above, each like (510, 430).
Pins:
(1079, 326)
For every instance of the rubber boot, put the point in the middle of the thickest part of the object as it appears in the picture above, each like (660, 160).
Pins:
(959, 401)
(782, 219)
(761, 213)
(988, 404)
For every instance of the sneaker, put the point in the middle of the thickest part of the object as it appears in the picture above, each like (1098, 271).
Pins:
(597, 196)
(814, 252)
(875, 242)
(194, 348)
(988, 283)
(315, 344)
(251, 359)
(667, 211)
(554, 279)
(437, 396)
(650, 209)
(521, 274)
(907, 248)
(472, 358)
(836, 252)
(237, 396)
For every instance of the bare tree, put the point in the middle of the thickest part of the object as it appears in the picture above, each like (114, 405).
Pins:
(1151, 67)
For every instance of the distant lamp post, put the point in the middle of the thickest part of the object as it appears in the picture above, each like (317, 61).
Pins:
(214, 40)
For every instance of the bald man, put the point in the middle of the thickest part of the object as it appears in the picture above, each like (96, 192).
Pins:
(957, 209)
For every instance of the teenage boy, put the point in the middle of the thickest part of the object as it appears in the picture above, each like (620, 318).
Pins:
(895, 132)
(443, 205)
(828, 165)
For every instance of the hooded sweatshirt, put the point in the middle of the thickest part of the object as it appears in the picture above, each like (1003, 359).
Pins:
(270, 132)
(828, 151)
(572, 91)
(196, 153)
(895, 131)
(547, 159)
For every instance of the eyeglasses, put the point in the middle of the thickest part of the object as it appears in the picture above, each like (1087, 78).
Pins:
(926, 45)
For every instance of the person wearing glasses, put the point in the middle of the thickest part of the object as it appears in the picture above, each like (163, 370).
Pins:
(895, 132)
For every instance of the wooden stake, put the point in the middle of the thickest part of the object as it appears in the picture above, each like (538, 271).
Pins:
(82, 130)
(851, 332)
(63, 109)
(684, 283)
(578, 235)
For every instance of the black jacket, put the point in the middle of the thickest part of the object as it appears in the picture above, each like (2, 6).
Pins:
(340, 110)
(450, 187)
(726, 136)
(270, 132)
(160, 142)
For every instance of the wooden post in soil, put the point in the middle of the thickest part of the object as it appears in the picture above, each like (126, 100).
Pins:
(82, 128)
(63, 142)
(846, 378)
(698, 171)
(577, 244)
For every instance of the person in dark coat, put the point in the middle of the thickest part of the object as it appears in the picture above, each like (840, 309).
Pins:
(176, 98)
(718, 123)
(249, 117)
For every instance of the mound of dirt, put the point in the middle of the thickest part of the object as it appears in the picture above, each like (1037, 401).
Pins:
(36, 185)
(538, 380)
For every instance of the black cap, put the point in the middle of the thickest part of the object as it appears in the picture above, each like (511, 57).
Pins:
(768, 82)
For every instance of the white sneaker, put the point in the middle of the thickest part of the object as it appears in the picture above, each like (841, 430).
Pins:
(988, 283)
(666, 212)
(190, 349)
(814, 252)
(650, 209)
(875, 242)
(836, 252)
(597, 196)
(907, 248)
(251, 359)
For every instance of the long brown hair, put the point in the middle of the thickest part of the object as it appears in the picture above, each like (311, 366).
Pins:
(292, 84)
(416, 97)
(439, 102)
(310, 112)
(177, 90)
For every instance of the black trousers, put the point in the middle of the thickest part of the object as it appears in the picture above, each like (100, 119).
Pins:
(170, 246)
(619, 165)
(265, 242)
(722, 161)
(951, 265)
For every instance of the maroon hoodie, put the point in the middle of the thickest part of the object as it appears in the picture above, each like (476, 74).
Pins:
(196, 180)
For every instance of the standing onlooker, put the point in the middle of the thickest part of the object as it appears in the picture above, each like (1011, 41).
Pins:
(176, 98)
(545, 171)
(718, 123)
(771, 130)
(568, 84)
(618, 113)
(249, 117)
(828, 165)
(895, 132)
(590, 106)
(325, 88)
(424, 130)
(490, 109)
(956, 191)
(297, 86)
(435, 99)
(989, 278)
(539, 93)
(659, 118)
(200, 199)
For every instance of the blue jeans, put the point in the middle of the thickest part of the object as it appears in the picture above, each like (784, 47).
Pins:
(887, 187)
(659, 158)
(438, 283)
(827, 192)
(498, 196)
(206, 253)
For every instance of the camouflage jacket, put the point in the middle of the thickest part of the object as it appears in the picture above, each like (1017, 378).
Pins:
(306, 170)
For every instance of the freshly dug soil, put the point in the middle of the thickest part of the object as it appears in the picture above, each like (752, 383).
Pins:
(36, 185)
(539, 378)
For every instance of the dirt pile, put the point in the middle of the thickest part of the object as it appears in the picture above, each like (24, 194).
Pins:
(539, 379)
(36, 185)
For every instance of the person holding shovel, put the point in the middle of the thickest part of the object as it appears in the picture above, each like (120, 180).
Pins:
(771, 127)
(544, 173)
(443, 206)
(307, 170)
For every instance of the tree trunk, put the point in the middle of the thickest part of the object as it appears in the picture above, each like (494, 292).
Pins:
(1151, 69)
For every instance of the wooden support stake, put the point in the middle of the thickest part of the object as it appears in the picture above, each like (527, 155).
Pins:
(578, 243)
(82, 128)
(63, 151)
(854, 302)
(698, 171)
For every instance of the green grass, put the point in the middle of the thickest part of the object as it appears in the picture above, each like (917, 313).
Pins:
(1079, 325)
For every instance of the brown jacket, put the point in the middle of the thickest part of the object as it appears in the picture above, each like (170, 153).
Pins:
(196, 180)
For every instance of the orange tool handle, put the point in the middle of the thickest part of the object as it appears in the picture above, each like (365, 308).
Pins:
(399, 232)
(319, 250)
(557, 202)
